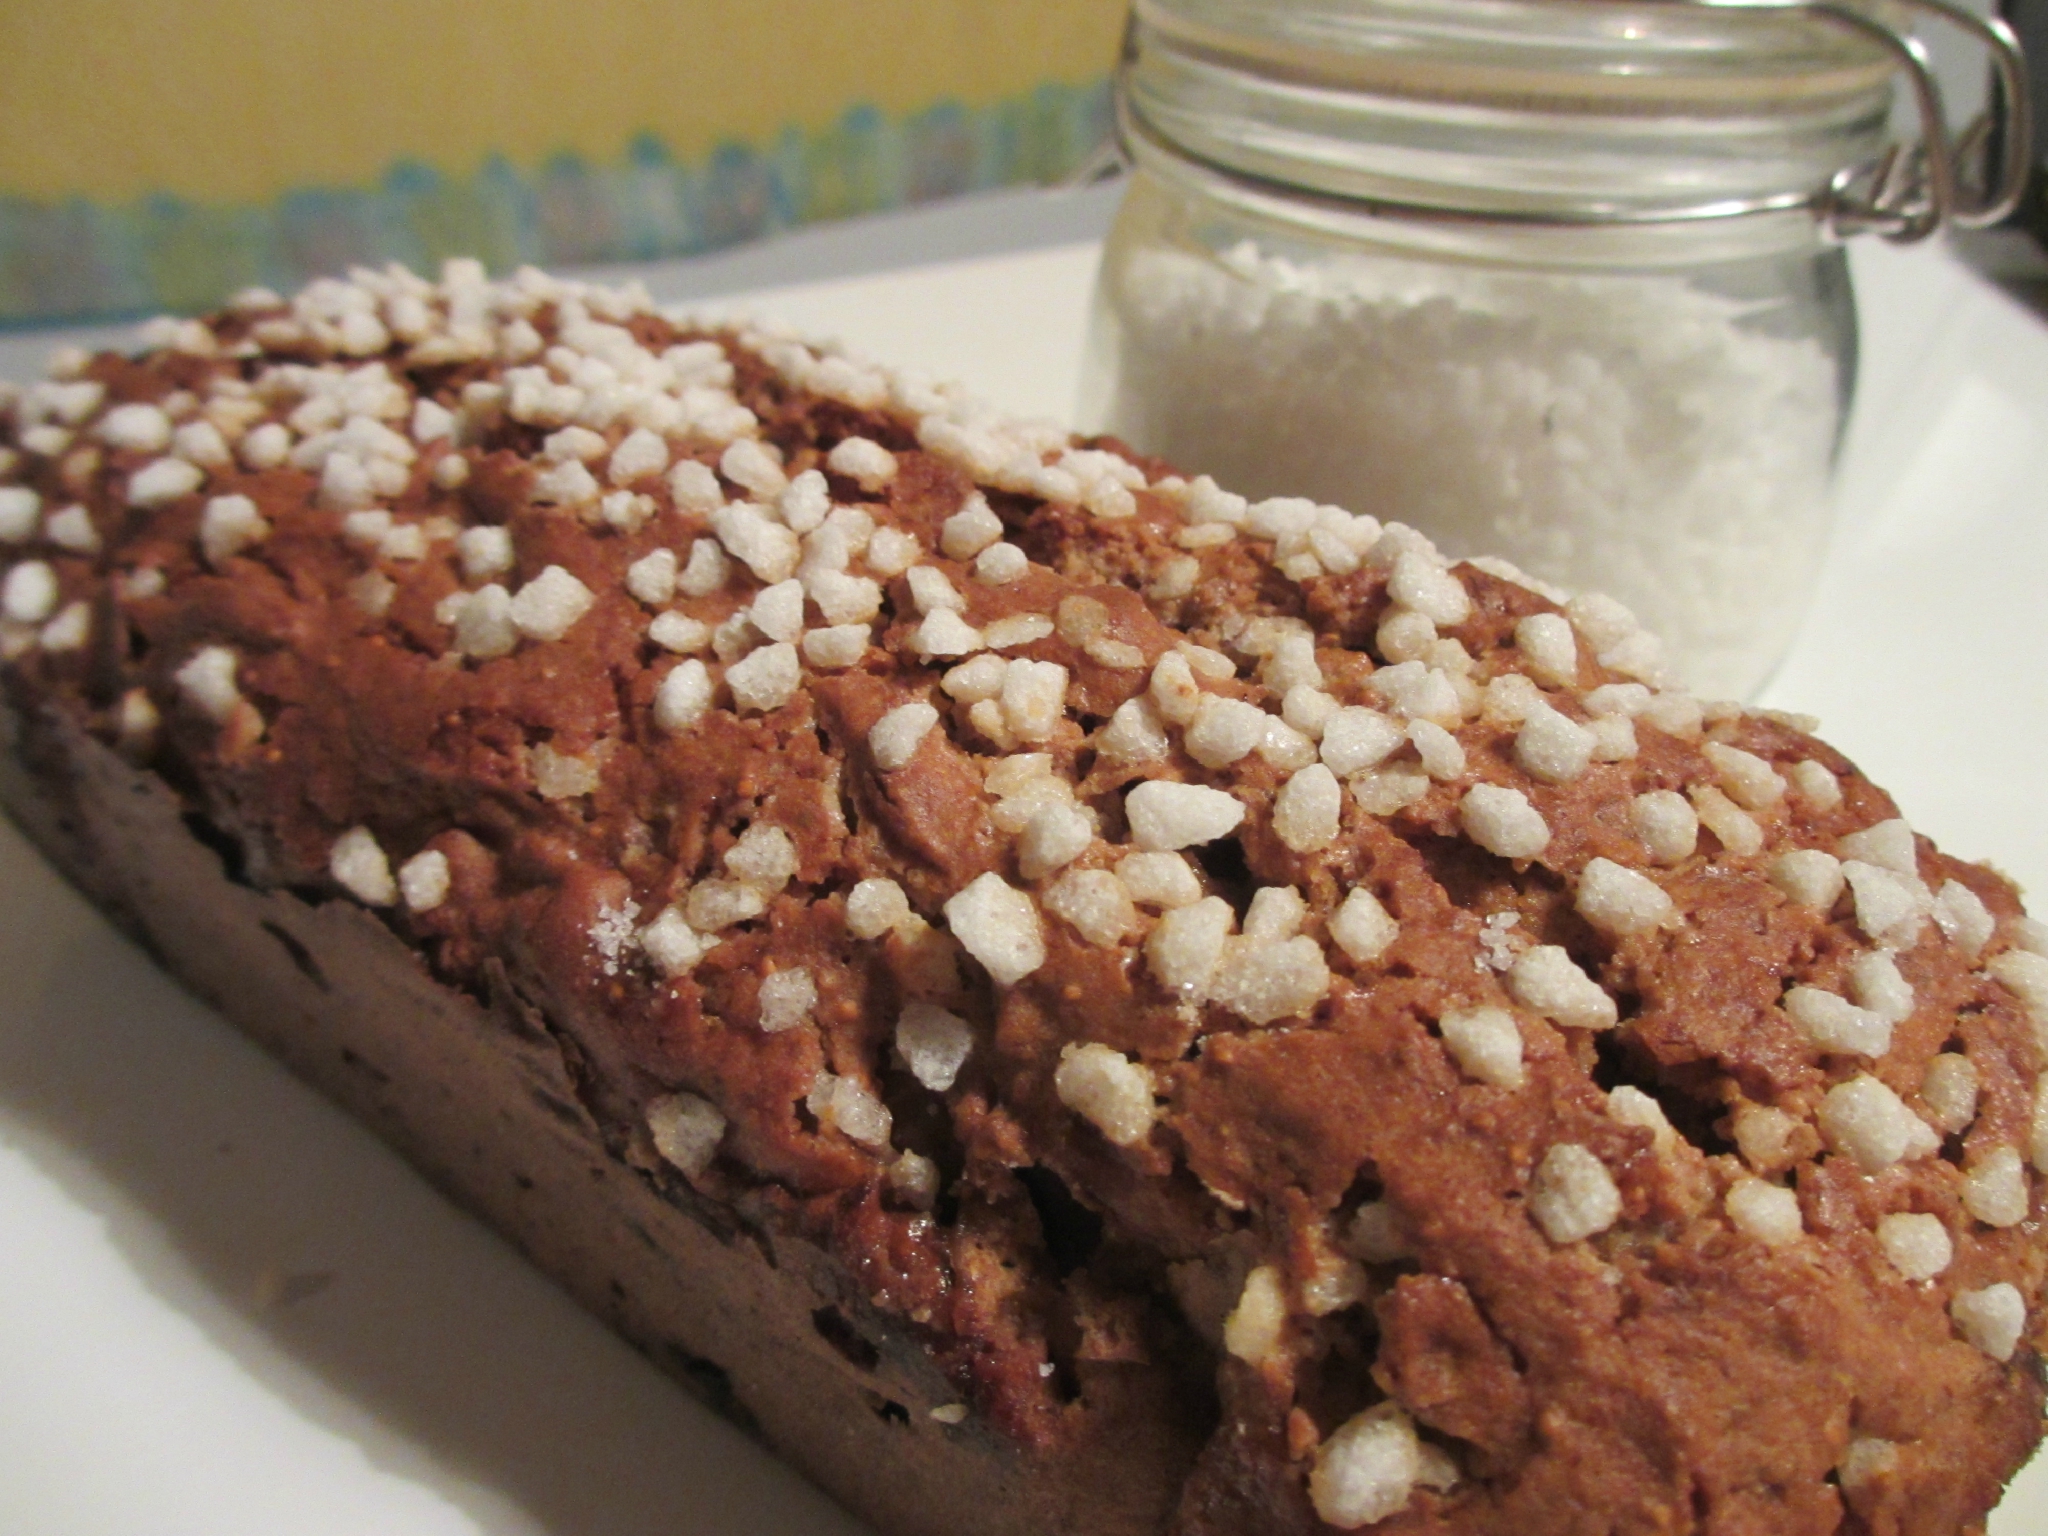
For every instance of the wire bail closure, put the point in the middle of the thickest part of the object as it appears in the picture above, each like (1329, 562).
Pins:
(1911, 190)
(1906, 194)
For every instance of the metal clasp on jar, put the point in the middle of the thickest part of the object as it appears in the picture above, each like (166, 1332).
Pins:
(1913, 189)
(1907, 193)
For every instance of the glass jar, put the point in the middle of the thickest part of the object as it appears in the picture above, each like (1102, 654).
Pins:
(1552, 280)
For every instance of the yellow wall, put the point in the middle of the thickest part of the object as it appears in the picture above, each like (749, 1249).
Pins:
(227, 106)
(236, 100)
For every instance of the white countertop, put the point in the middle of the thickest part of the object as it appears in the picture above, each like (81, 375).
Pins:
(231, 1312)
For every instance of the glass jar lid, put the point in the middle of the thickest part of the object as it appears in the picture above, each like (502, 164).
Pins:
(1561, 112)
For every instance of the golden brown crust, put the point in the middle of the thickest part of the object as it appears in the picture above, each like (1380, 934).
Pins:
(1568, 1158)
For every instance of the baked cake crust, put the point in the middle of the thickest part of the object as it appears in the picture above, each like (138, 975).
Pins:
(1147, 1012)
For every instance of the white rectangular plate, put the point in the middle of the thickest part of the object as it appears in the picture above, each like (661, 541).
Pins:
(230, 1312)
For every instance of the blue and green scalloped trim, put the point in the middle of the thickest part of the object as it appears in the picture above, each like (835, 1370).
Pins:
(78, 260)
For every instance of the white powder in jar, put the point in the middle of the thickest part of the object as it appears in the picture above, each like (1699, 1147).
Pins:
(1626, 434)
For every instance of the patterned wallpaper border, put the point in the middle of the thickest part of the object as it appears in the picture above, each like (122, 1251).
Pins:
(78, 260)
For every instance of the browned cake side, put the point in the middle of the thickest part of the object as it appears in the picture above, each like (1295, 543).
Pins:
(1141, 1012)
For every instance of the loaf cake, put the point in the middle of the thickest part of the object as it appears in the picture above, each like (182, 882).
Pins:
(1065, 1000)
